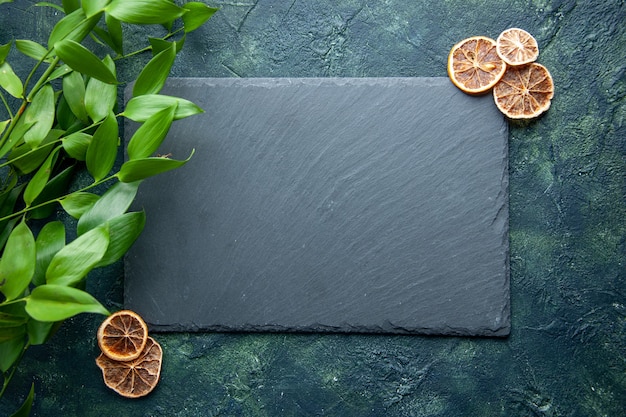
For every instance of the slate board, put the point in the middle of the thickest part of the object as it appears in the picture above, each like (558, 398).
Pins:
(376, 205)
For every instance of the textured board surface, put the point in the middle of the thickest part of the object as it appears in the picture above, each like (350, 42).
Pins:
(347, 205)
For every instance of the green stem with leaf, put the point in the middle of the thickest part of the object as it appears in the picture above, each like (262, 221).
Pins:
(41, 287)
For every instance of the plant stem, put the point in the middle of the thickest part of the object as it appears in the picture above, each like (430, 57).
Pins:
(28, 153)
(13, 123)
(25, 101)
(17, 300)
(6, 105)
(147, 48)
(140, 51)
(56, 200)
(44, 77)
(49, 144)
(32, 72)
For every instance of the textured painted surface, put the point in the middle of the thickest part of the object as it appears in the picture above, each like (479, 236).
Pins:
(373, 205)
(565, 355)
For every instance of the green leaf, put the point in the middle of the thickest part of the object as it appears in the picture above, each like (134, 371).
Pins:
(7, 228)
(11, 350)
(71, 5)
(39, 331)
(75, 26)
(8, 188)
(159, 45)
(76, 145)
(143, 107)
(115, 32)
(9, 182)
(153, 76)
(74, 93)
(168, 25)
(123, 231)
(7, 204)
(48, 4)
(83, 60)
(12, 326)
(57, 302)
(101, 36)
(144, 11)
(31, 49)
(24, 410)
(41, 114)
(112, 36)
(40, 179)
(180, 43)
(112, 204)
(10, 320)
(17, 136)
(4, 52)
(75, 260)
(59, 72)
(102, 150)
(26, 160)
(197, 13)
(17, 265)
(11, 331)
(77, 203)
(100, 97)
(10, 82)
(50, 240)
(65, 117)
(151, 134)
(92, 7)
(56, 187)
(3, 125)
(140, 169)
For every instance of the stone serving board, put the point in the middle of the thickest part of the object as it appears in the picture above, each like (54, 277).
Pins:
(370, 205)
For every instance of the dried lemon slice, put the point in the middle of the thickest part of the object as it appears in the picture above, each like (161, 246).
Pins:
(135, 378)
(524, 92)
(474, 65)
(122, 336)
(517, 47)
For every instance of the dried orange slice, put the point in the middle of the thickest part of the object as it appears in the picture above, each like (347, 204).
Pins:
(122, 336)
(525, 91)
(135, 378)
(517, 47)
(474, 65)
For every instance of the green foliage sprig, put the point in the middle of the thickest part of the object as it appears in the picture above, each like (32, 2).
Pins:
(65, 120)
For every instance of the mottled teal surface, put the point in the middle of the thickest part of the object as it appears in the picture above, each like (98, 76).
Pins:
(566, 355)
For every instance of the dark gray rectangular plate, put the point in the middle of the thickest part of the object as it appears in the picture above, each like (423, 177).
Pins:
(375, 205)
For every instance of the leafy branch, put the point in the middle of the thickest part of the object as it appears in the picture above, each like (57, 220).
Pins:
(65, 121)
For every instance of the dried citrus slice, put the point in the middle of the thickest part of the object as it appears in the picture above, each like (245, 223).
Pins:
(525, 91)
(474, 65)
(122, 336)
(134, 378)
(517, 47)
